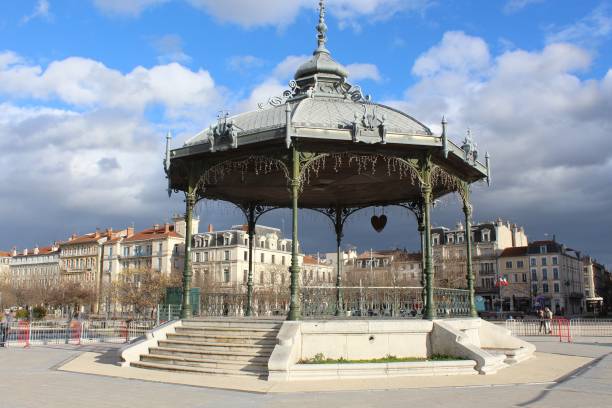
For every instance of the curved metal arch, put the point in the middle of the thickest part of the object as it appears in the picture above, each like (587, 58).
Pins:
(264, 164)
(338, 215)
(393, 163)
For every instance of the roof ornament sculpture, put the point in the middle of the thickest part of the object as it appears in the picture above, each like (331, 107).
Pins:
(321, 29)
(224, 134)
(469, 147)
(167, 161)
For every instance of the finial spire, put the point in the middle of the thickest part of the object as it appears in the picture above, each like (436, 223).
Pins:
(321, 28)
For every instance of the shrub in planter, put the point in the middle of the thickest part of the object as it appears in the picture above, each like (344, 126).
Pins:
(22, 314)
(39, 312)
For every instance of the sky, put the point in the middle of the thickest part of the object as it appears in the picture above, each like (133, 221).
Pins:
(89, 88)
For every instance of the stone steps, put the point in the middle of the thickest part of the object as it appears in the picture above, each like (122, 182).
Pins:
(215, 346)
(252, 356)
(259, 367)
(223, 339)
(199, 370)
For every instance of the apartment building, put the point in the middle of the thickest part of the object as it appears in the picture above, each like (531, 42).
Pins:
(37, 267)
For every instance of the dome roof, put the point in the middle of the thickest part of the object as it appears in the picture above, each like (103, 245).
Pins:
(319, 98)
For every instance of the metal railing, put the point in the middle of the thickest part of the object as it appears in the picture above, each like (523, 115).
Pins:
(320, 302)
(25, 333)
(578, 327)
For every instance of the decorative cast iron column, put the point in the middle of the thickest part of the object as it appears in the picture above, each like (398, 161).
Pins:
(251, 232)
(190, 200)
(430, 310)
(467, 211)
(421, 229)
(338, 226)
(294, 306)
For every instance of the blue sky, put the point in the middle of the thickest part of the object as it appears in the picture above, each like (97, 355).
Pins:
(88, 88)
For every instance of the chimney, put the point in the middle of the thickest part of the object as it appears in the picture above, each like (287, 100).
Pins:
(109, 233)
(36, 250)
(166, 228)
(14, 251)
(130, 231)
(25, 251)
(97, 232)
(54, 247)
(156, 227)
(211, 228)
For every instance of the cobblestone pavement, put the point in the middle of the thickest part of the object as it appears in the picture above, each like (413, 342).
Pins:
(28, 378)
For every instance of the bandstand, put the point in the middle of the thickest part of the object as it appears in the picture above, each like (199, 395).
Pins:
(322, 145)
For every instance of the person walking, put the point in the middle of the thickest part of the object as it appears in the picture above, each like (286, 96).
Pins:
(5, 327)
(541, 319)
(548, 316)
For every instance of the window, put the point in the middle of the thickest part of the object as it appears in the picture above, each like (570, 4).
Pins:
(556, 287)
(555, 273)
(524, 277)
(543, 261)
(273, 259)
(205, 256)
(534, 275)
(532, 262)
(520, 264)
(126, 251)
(545, 287)
(450, 239)
(263, 257)
(283, 260)
(555, 260)
(160, 247)
(246, 255)
(542, 249)
(486, 236)
(516, 279)
(159, 264)
(261, 277)
(226, 255)
(508, 264)
(197, 257)
(226, 275)
(436, 239)
(460, 238)
(226, 240)
(534, 289)
(544, 274)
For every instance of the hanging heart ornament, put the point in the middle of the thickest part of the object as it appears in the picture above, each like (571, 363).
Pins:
(379, 222)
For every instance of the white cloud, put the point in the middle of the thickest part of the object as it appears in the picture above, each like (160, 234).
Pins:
(81, 143)
(359, 72)
(126, 7)
(546, 128)
(588, 31)
(41, 10)
(456, 52)
(170, 49)
(512, 6)
(287, 67)
(85, 83)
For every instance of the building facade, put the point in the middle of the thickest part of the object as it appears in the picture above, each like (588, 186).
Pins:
(5, 259)
(221, 260)
(557, 277)
(597, 287)
(394, 267)
(514, 268)
(37, 267)
(489, 239)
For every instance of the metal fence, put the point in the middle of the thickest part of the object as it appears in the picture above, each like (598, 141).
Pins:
(25, 333)
(320, 302)
(578, 327)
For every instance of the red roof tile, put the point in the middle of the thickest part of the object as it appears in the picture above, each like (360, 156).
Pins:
(514, 251)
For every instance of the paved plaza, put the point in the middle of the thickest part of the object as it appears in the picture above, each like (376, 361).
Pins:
(32, 378)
